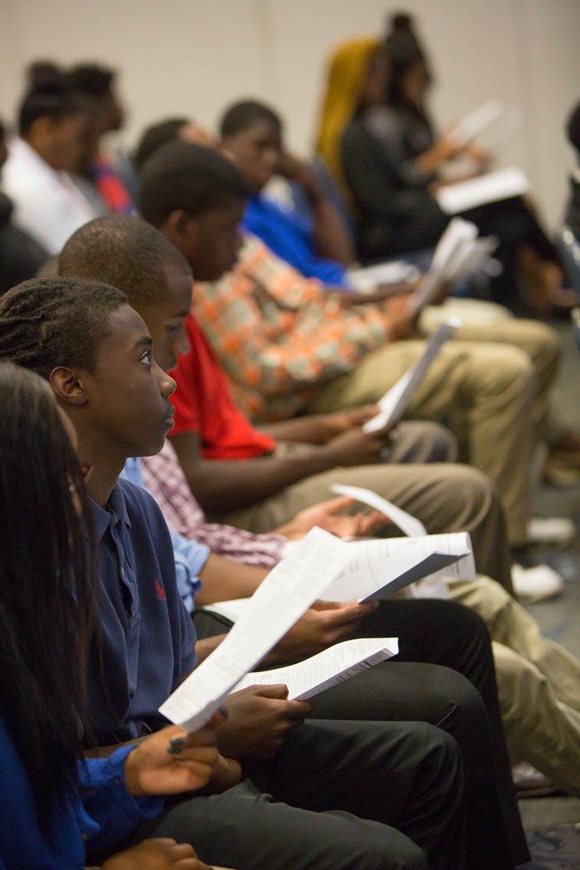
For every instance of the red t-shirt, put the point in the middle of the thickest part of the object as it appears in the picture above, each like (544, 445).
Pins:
(203, 404)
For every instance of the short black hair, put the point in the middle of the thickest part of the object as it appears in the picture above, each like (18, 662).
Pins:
(40, 73)
(181, 175)
(125, 252)
(92, 79)
(155, 136)
(55, 100)
(244, 114)
(49, 322)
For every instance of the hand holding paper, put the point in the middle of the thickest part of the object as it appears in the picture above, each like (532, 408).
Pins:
(396, 400)
(289, 589)
(329, 668)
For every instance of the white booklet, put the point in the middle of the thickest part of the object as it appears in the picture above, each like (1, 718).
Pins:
(491, 187)
(473, 124)
(396, 400)
(332, 666)
(290, 588)
(451, 250)
(382, 566)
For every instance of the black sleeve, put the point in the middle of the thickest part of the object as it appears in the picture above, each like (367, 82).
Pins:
(374, 178)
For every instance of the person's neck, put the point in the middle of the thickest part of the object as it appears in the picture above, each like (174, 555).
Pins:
(41, 152)
(103, 468)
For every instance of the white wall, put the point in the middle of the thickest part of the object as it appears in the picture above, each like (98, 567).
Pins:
(195, 56)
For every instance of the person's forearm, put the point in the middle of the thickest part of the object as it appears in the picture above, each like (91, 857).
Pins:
(221, 485)
(307, 430)
(206, 646)
(224, 580)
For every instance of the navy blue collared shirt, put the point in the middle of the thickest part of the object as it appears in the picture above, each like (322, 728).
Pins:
(146, 642)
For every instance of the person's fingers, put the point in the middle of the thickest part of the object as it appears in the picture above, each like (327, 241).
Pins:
(337, 504)
(296, 709)
(276, 690)
(201, 754)
(183, 850)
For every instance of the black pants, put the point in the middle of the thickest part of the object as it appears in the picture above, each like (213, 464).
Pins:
(414, 687)
(337, 795)
(514, 224)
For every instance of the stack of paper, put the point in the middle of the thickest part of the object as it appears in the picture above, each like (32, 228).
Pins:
(328, 668)
(396, 400)
(281, 599)
(491, 187)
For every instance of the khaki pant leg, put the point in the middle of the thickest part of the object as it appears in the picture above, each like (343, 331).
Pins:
(446, 498)
(541, 344)
(539, 728)
(486, 390)
(512, 626)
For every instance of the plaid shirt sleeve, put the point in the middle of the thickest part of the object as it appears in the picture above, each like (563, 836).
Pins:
(167, 484)
(277, 334)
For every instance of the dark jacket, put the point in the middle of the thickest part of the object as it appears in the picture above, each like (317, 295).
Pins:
(20, 256)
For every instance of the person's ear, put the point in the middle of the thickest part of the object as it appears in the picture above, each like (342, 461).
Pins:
(68, 386)
(181, 229)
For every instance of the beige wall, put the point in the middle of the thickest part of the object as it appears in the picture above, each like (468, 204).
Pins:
(195, 56)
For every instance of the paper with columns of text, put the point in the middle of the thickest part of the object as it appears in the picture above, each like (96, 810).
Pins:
(332, 666)
(289, 589)
(396, 400)
(380, 567)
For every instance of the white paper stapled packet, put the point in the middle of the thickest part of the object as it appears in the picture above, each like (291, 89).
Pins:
(328, 668)
(288, 590)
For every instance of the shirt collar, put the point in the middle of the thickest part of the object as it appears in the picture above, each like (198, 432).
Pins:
(102, 517)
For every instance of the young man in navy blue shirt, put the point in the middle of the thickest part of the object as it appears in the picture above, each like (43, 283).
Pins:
(332, 790)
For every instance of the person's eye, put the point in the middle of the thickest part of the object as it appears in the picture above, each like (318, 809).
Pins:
(147, 358)
(172, 327)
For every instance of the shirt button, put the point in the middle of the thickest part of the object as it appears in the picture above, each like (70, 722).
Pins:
(122, 572)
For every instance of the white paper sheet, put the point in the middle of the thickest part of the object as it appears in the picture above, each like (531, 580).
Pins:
(491, 187)
(288, 590)
(473, 124)
(452, 248)
(332, 666)
(408, 524)
(396, 400)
